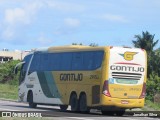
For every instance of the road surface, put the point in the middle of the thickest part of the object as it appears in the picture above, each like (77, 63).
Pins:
(16, 109)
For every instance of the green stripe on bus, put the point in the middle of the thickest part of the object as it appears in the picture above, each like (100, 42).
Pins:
(48, 85)
(52, 85)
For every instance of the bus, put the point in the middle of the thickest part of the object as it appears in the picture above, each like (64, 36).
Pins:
(110, 79)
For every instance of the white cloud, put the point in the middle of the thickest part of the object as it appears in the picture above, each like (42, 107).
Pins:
(72, 22)
(17, 15)
(65, 6)
(7, 34)
(42, 40)
(114, 18)
(23, 15)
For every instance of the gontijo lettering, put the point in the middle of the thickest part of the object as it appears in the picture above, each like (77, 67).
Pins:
(127, 68)
(71, 77)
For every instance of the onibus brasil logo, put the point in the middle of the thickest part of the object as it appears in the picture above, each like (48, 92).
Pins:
(128, 55)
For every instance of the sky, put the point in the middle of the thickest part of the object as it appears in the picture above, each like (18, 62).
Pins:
(29, 24)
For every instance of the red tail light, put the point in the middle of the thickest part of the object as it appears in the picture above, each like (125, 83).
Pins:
(106, 89)
(111, 47)
(143, 94)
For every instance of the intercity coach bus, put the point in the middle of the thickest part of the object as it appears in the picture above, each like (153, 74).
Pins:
(108, 78)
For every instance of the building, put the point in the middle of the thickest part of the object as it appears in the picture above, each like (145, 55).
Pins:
(6, 55)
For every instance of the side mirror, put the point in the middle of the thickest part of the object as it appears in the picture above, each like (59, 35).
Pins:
(16, 70)
(16, 67)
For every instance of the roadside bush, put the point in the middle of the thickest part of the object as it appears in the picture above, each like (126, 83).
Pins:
(7, 73)
(153, 86)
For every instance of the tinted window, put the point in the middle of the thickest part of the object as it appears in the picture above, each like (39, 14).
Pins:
(45, 62)
(98, 57)
(77, 61)
(66, 61)
(55, 61)
(24, 68)
(88, 60)
(36, 63)
(92, 59)
(26, 60)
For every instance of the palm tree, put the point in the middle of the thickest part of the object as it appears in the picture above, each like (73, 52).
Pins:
(146, 41)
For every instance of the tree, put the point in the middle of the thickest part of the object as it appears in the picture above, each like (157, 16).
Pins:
(77, 44)
(6, 72)
(145, 41)
(93, 45)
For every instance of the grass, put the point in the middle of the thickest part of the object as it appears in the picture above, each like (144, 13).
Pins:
(8, 91)
(149, 105)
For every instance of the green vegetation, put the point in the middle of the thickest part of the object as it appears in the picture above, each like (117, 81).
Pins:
(146, 41)
(92, 44)
(7, 72)
(150, 106)
(8, 81)
(8, 91)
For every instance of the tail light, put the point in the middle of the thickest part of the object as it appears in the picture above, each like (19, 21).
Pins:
(142, 49)
(106, 89)
(143, 94)
(111, 47)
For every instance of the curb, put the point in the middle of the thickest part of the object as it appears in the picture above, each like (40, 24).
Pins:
(4, 99)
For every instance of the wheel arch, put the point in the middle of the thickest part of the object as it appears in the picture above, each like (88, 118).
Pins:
(82, 93)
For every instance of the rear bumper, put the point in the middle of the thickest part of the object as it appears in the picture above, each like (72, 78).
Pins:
(122, 103)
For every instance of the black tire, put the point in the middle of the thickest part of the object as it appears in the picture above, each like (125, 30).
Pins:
(74, 103)
(120, 112)
(63, 107)
(30, 101)
(83, 104)
(107, 112)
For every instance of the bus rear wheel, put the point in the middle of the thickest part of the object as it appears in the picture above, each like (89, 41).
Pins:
(74, 103)
(63, 107)
(83, 104)
(107, 112)
(30, 100)
(120, 112)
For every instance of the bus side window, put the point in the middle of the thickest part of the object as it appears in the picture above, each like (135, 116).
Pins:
(67, 57)
(35, 64)
(98, 57)
(88, 60)
(77, 61)
(54, 61)
(22, 74)
(93, 59)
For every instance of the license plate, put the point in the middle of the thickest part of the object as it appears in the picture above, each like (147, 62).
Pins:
(124, 102)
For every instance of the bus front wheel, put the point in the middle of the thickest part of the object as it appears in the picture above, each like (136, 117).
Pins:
(30, 100)
(74, 103)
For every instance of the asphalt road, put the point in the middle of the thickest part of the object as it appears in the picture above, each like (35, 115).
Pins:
(15, 109)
